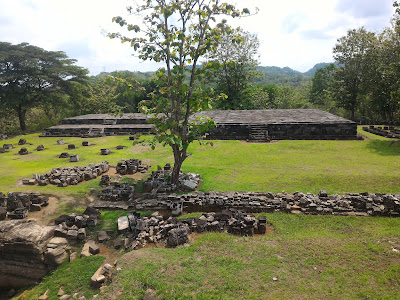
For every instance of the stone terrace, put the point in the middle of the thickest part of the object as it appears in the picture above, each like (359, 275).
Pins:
(251, 125)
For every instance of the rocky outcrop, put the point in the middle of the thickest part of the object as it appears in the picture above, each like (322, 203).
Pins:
(23, 247)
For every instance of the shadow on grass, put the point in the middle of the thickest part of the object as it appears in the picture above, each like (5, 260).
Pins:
(385, 148)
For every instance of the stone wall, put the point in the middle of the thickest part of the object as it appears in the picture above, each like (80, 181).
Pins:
(311, 131)
(350, 204)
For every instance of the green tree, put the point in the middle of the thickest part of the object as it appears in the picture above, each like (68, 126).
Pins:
(236, 58)
(31, 76)
(382, 80)
(178, 33)
(320, 95)
(352, 53)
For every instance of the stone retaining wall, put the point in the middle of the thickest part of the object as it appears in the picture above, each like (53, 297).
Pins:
(350, 204)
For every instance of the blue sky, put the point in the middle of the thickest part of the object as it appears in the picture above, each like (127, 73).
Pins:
(292, 33)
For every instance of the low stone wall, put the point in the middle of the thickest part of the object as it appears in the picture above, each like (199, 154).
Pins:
(350, 204)
(385, 131)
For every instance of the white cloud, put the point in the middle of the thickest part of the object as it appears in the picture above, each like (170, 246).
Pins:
(293, 33)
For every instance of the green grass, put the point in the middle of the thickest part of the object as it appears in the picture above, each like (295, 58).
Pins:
(72, 277)
(319, 257)
(313, 257)
(307, 166)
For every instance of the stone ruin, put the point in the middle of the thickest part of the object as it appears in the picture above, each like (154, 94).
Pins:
(385, 131)
(131, 166)
(23, 151)
(28, 252)
(17, 205)
(63, 177)
(136, 232)
(64, 155)
(251, 125)
(73, 227)
(117, 192)
(159, 181)
(105, 151)
(350, 204)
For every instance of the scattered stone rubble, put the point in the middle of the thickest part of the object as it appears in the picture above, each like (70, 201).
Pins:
(135, 232)
(17, 205)
(159, 181)
(101, 276)
(131, 166)
(73, 227)
(117, 192)
(8, 146)
(63, 177)
(40, 148)
(28, 252)
(22, 142)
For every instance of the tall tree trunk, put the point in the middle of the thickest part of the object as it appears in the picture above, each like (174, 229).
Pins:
(179, 158)
(21, 116)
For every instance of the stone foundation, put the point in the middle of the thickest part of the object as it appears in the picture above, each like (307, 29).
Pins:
(252, 125)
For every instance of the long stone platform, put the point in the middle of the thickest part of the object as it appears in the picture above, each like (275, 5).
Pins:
(251, 125)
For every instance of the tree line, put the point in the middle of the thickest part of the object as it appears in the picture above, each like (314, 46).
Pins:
(38, 88)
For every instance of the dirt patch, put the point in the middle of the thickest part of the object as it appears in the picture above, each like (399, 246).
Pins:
(113, 173)
(45, 215)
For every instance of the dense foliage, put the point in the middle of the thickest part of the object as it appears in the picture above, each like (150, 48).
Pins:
(31, 77)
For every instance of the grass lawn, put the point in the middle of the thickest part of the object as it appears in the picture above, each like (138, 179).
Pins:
(312, 257)
(306, 166)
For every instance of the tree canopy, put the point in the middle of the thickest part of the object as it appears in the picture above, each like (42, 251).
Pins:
(31, 76)
(178, 33)
(236, 59)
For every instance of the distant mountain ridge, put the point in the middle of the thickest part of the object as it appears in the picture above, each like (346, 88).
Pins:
(286, 75)
(270, 74)
(291, 72)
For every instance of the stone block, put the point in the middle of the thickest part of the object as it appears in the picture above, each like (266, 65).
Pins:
(23, 151)
(64, 155)
(22, 142)
(123, 224)
(74, 158)
(71, 146)
(94, 249)
(105, 151)
(60, 142)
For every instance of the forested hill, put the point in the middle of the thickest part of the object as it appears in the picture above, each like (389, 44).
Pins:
(286, 75)
(270, 75)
